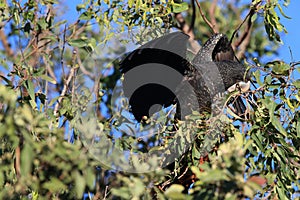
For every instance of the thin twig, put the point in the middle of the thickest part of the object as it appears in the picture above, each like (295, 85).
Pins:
(51, 73)
(8, 50)
(18, 161)
(184, 26)
(164, 184)
(291, 53)
(245, 37)
(24, 57)
(83, 69)
(62, 52)
(75, 54)
(243, 43)
(249, 24)
(105, 192)
(212, 12)
(64, 91)
(185, 171)
(205, 19)
(249, 15)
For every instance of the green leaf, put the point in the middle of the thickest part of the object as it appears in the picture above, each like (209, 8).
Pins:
(286, 3)
(268, 79)
(38, 72)
(47, 78)
(213, 176)
(55, 185)
(281, 152)
(122, 192)
(26, 159)
(90, 178)
(257, 76)
(35, 195)
(254, 17)
(79, 7)
(298, 129)
(280, 67)
(137, 5)
(130, 3)
(281, 11)
(178, 8)
(53, 38)
(30, 88)
(270, 105)
(16, 17)
(42, 23)
(54, 100)
(2, 180)
(257, 140)
(239, 138)
(79, 184)
(276, 123)
(175, 192)
(230, 112)
(139, 187)
(297, 83)
(78, 42)
(196, 153)
(196, 171)
(280, 191)
(248, 191)
(86, 15)
(248, 144)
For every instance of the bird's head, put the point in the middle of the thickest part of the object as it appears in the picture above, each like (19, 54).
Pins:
(217, 48)
(222, 50)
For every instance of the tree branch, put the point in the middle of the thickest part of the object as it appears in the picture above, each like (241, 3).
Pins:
(187, 30)
(212, 26)
(243, 43)
(64, 91)
(245, 37)
(246, 31)
(83, 69)
(8, 50)
(212, 12)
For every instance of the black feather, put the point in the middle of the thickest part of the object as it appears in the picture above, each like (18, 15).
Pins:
(158, 73)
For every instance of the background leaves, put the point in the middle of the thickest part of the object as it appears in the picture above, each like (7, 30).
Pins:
(42, 155)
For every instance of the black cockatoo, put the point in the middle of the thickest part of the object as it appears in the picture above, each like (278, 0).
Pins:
(158, 75)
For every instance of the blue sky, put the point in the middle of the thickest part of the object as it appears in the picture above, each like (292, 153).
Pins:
(292, 39)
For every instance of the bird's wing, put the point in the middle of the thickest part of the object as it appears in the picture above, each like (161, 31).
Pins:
(152, 73)
(169, 49)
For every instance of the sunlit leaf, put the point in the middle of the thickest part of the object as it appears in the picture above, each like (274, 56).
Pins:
(79, 184)
(55, 185)
(26, 159)
(47, 78)
(276, 123)
(175, 192)
(78, 42)
(178, 8)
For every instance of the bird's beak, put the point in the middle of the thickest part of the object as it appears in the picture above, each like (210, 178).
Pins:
(243, 86)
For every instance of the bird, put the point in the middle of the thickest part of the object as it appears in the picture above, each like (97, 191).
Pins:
(158, 74)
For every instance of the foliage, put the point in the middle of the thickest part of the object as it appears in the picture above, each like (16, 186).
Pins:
(42, 154)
